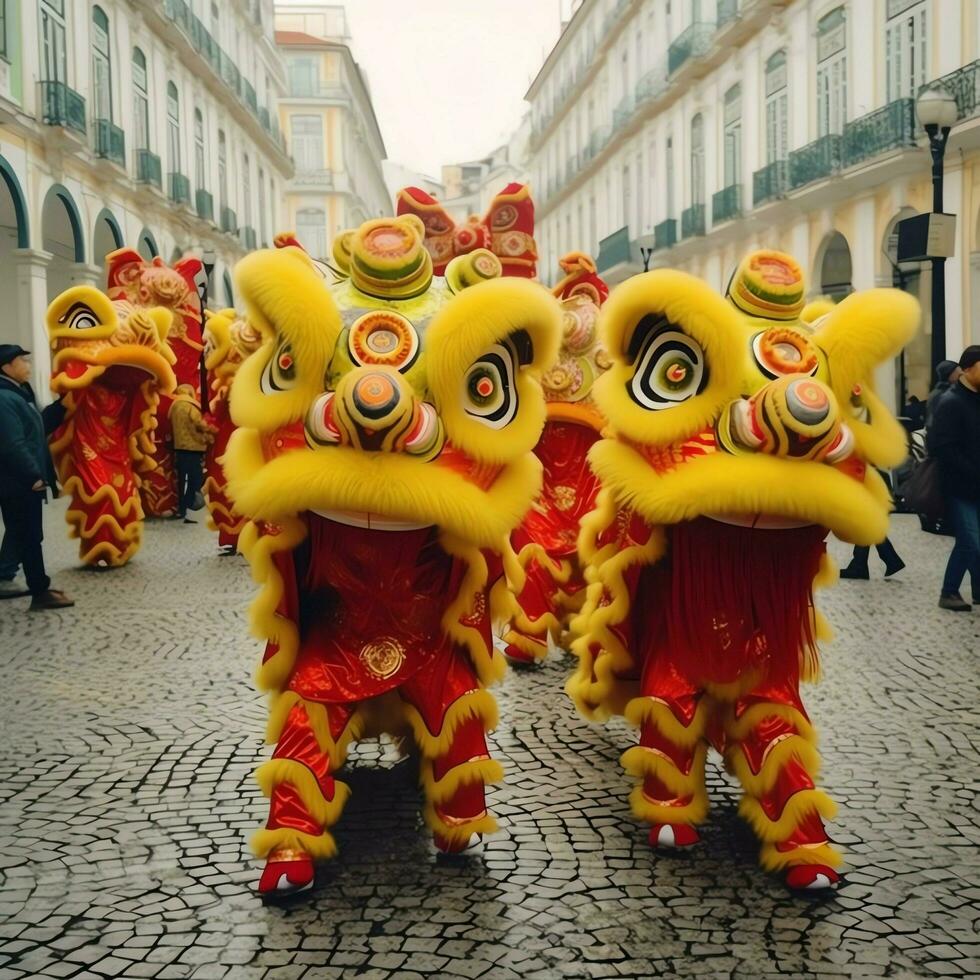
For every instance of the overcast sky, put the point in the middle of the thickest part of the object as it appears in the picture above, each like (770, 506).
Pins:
(448, 77)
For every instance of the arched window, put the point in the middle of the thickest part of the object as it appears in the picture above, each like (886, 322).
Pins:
(200, 164)
(777, 108)
(141, 102)
(101, 66)
(173, 128)
(54, 47)
(222, 169)
(832, 72)
(733, 136)
(697, 159)
(906, 48)
(311, 230)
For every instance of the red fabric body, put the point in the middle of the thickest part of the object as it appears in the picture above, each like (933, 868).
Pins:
(220, 418)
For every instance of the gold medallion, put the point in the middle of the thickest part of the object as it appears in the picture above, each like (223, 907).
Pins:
(382, 658)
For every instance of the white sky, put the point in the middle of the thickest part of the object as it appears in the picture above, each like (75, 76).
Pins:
(448, 77)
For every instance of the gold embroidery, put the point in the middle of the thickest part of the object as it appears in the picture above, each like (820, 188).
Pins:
(383, 657)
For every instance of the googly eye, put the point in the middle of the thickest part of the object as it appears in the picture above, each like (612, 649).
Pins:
(489, 392)
(79, 317)
(280, 371)
(781, 351)
(669, 369)
(383, 337)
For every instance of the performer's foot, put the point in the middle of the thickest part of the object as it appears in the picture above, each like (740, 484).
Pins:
(811, 877)
(448, 847)
(855, 572)
(228, 551)
(518, 657)
(286, 873)
(894, 568)
(673, 835)
(52, 599)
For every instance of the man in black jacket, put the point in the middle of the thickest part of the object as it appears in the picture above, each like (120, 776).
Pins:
(26, 471)
(954, 440)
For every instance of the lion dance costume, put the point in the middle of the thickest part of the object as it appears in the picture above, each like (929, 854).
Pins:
(383, 456)
(228, 340)
(546, 540)
(110, 363)
(740, 437)
(180, 290)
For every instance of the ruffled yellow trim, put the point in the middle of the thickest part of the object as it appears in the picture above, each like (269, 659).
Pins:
(646, 810)
(645, 710)
(485, 771)
(758, 783)
(538, 649)
(798, 806)
(280, 704)
(773, 859)
(318, 848)
(221, 517)
(475, 704)
(738, 729)
(642, 761)
(325, 812)
(458, 833)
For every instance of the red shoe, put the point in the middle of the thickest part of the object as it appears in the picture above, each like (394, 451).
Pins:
(673, 835)
(286, 873)
(811, 877)
(518, 657)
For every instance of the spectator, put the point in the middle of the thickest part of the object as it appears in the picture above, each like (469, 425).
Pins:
(858, 566)
(946, 374)
(26, 471)
(191, 435)
(954, 440)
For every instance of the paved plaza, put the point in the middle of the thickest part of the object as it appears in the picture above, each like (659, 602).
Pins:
(131, 728)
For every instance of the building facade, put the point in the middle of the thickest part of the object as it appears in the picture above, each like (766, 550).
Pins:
(686, 132)
(150, 124)
(329, 120)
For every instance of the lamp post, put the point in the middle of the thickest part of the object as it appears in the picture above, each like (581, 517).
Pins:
(937, 111)
(207, 261)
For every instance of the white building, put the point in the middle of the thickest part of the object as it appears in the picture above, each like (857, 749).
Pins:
(329, 120)
(132, 122)
(704, 128)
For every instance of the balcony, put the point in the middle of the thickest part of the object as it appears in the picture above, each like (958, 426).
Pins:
(815, 161)
(692, 42)
(614, 249)
(230, 74)
(964, 85)
(205, 43)
(265, 119)
(148, 169)
(692, 221)
(598, 139)
(885, 129)
(726, 204)
(179, 188)
(313, 178)
(571, 168)
(652, 84)
(204, 204)
(665, 235)
(110, 142)
(247, 237)
(62, 106)
(623, 111)
(229, 221)
(770, 183)
(249, 96)
(727, 11)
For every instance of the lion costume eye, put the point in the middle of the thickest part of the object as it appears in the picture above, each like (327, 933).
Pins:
(489, 392)
(669, 370)
(79, 317)
(781, 351)
(280, 371)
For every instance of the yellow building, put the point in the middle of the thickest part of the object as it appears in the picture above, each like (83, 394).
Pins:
(333, 133)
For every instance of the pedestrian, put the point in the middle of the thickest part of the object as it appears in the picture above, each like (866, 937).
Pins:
(954, 441)
(191, 435)
(947, 373)
(26, 471)
(858, 566)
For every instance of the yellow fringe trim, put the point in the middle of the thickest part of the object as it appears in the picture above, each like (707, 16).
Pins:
(646, 709)
(475, 704)
(739, 729)
(757, 783)
(324, 812)
(221, 518)
(647, 811)
(485, 771)
(538, 649)
(642, 761)
(458, 833)
(797, 807)
(775, 860)
(281, 704)
(320, 847)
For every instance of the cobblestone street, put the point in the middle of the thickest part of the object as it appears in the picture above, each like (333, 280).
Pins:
(131, 729)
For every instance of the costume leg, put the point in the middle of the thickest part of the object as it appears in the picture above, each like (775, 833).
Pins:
(672, 715)
(304, 798)
(772, 750)
(450, 715)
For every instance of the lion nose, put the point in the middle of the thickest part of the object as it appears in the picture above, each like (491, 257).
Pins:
(375, 396)
(807, 402)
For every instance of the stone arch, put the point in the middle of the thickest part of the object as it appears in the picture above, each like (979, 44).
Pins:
(62, 236)
(146, 244)
(20, 226)
(107, 236)
(833, 271)
(19, 323)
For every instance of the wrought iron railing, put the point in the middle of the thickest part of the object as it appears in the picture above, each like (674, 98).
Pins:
(205, 204)
(229, 221)
(692, 221)
(614, 249)
(62, 106)
(726, 203)
(148, 169)
(727, 11)
(694, 40)
(770, 182)
(250, 98)
(652, 84)
(964, 85)
(623, 110)
(885, 129)
(110, 142)
(665, 234)
(179, 188)
(815, 161)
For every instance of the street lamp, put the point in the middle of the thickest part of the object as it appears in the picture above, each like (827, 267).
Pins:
(937, 111)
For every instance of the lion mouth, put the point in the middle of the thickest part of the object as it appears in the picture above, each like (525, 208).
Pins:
(759, 522)
(368, 520)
